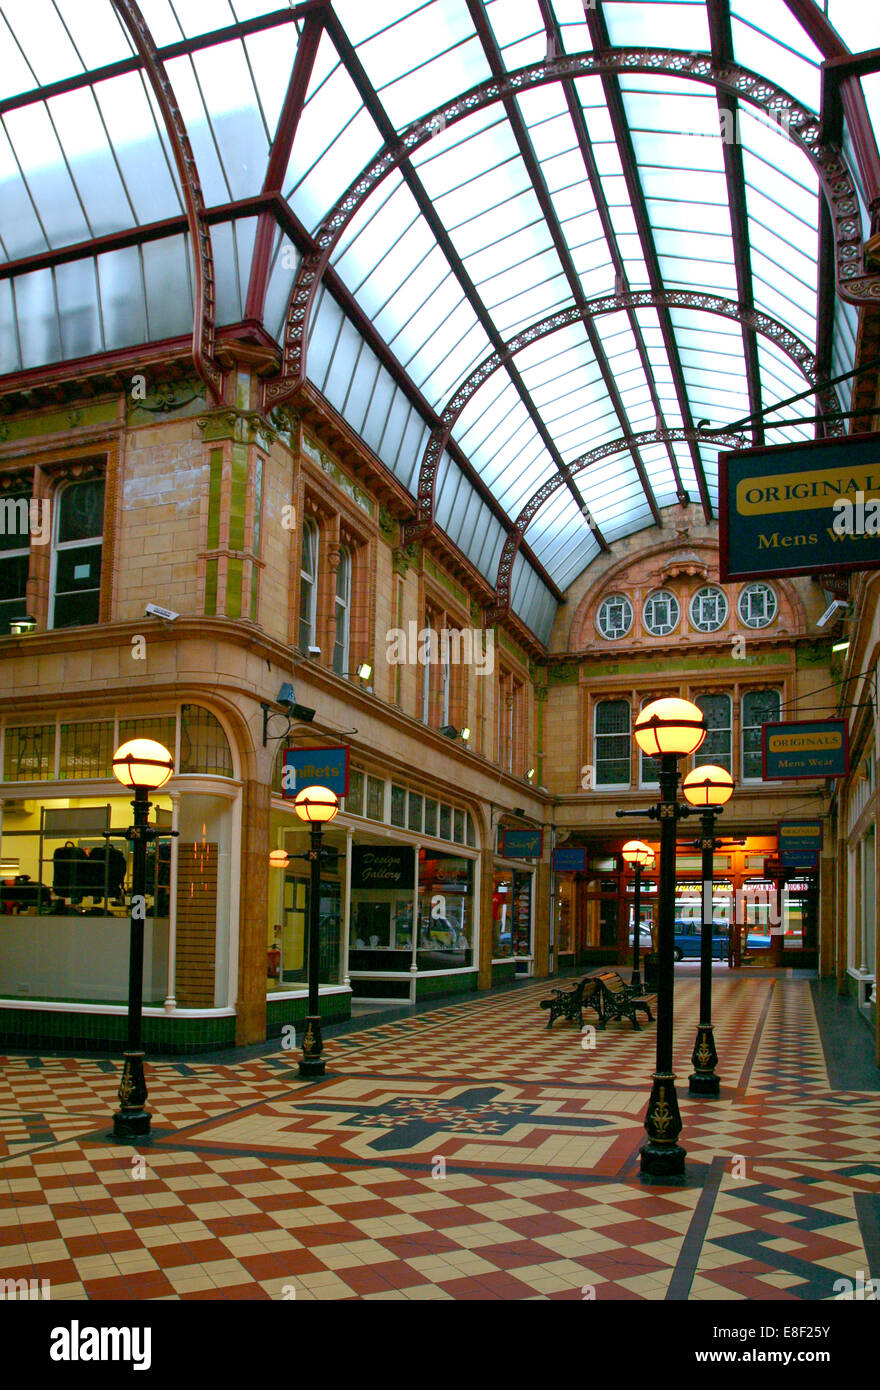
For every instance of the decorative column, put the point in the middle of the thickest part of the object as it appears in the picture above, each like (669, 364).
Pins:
(170, 1001)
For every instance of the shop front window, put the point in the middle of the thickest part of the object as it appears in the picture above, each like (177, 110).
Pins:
(294, 935)
(446, 911)
(382, 887)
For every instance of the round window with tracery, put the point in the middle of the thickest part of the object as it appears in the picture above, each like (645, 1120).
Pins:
(615, 616)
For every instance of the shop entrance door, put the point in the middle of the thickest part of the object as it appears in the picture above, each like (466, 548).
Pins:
(295, 931)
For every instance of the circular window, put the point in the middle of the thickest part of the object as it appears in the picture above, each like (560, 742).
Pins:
(661, 612)
(709, 609)
(615, 616)
(757, 605)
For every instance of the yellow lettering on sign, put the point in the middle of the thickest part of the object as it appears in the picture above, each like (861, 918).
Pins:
(806, 491)
(805, 743)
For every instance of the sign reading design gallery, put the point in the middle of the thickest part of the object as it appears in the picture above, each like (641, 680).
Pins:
(382, 866)
(805, 748)
(799, 508)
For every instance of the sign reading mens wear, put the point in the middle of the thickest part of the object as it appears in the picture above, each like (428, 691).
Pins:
(799, 508)
(800, 843)
(806, 748)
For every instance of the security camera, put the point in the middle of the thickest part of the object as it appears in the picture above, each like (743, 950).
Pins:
(838, 605)
(168, 614)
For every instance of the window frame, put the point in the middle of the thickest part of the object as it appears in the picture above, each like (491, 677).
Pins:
(674, 604)
(611, 700)
(342, 608)
(310, 528)
(698, 593)
(715, 759)
(65, 546)
(752, 588)
(611, 598)
(17, 553)
(757, 690)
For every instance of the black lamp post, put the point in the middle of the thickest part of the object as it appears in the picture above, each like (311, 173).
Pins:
(707, 789)
(317, 805)
(145, 766)
(638, 856)
(667, 729)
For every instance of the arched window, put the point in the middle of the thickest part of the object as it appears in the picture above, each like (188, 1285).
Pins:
(716, 748)
(204, 746)
(343, 614)
(308, 588)
(759, 707)
(75, 591)
(612, 743)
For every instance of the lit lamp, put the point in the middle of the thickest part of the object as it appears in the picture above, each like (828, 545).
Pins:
(278, 859)
(144, 766)
(708, 789)
(317, 806)
(667, 729)
(639, 856)
(20, 627)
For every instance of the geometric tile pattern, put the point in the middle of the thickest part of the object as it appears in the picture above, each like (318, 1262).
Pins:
(464, 1153)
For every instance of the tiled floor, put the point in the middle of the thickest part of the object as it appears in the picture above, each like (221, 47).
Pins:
(464, 1153)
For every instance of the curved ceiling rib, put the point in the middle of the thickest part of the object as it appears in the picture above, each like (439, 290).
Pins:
(754, 320)
(802, 124)
(615, 446)
(199, 231)
(426, 207)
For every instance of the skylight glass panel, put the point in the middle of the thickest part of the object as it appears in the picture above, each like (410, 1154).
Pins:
(79, 314)
(171, 20)
(657, 25)
(271, 56)
(575, 33)
(843, 347)
(768, 39)
(335, 139)
(468, 346)
(424, 60)
(123, 302)
(38, 326)
(35, 149)
(519, 32)
(33, 29)
(140, 150)
(89, 158)
(168, 287)
(94, 28)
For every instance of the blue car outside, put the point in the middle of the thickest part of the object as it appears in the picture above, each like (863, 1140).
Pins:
(687, 940)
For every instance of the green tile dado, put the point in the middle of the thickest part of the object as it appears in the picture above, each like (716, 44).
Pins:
(503, 972)
(434, 985)
(333, 1008)
(35, 1028)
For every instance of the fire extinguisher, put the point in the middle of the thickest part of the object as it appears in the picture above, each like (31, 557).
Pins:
(273, 959)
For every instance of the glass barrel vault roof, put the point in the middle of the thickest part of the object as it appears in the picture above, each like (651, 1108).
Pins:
(528, 206)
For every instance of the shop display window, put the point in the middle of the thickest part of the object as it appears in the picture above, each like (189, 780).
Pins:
(446, 911)
(382, 887)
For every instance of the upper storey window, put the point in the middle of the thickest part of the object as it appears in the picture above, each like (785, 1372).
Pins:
(76, 558)
(757, 605)
(709, 609)
(615, 616)
(661, 613)
(15, 554)
(308, 588)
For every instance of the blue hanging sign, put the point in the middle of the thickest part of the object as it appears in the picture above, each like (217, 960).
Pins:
(522, 844)
(315, 767)
(570, 861)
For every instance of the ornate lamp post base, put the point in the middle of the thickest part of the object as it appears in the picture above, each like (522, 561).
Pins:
(312, 1063)
(703, 1081)
(662, 1158)
(132, 1121)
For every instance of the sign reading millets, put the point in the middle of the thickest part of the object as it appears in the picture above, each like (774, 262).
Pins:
(800, 508)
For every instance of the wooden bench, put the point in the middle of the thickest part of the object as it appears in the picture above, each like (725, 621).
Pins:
(570, 1003)
(618, 1000)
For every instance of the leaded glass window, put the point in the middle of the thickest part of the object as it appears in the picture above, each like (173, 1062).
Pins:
(716, 748)
(661, 613)
(615, 616)
(709, 609)
(759, 707)
(612, 743)
(757, 605)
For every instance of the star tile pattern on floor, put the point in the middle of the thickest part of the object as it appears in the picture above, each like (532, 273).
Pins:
(464, 1153)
